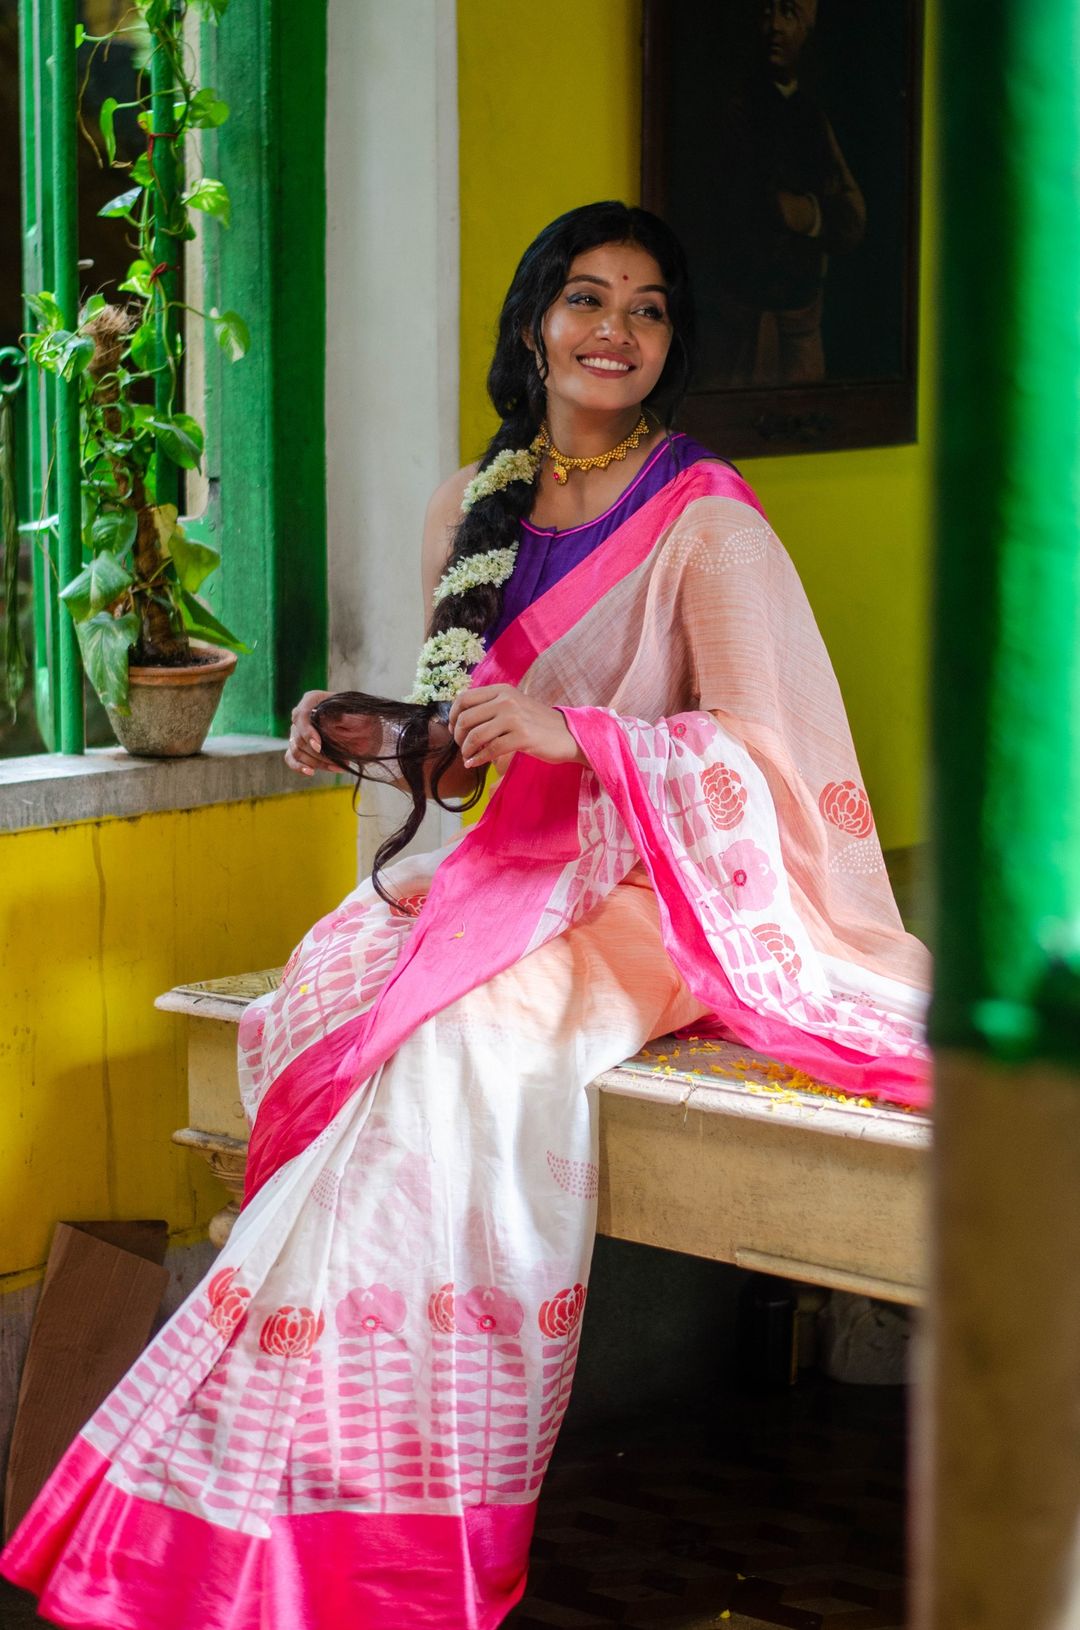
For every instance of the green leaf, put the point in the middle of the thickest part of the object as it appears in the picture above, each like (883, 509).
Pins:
(206, 110)
(211, 10)
(105, 643)
(123, 203)
(75, 354)
(142, 170)
(106, 121)
(96, 587)
(80, 35)
(201, 622)
(166, 517)
(212, 197)
(46, 309)
(96, 303)
(147, 351)
(181, 437)
(114, 530)
(193, 561)
(155, 11)
(137, 280)
(231, 333)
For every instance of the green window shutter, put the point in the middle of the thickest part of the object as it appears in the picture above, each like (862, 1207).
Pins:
(265, 415)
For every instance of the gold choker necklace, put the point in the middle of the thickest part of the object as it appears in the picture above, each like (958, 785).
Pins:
(562, 463)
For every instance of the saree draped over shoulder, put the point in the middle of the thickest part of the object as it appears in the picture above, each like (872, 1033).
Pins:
(349, 1421)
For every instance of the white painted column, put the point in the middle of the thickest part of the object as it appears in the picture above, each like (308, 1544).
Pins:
(392, 338)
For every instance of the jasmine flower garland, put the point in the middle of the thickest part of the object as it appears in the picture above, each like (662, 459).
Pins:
(494, 567)
(512, 464)
(443, 669)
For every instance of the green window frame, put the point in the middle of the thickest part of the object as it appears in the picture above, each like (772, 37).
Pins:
(265, 416)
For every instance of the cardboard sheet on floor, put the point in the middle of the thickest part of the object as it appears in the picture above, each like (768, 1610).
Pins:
(103, 1286)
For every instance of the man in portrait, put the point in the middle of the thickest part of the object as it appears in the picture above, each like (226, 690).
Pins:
(787, 202)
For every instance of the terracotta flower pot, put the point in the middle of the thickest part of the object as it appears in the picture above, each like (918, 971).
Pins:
(173, 708)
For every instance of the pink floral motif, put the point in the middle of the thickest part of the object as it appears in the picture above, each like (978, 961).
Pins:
(845, 804)
(291, 1332)
(487, 1311)
(228, 1302)
(375, 1307)
(410, 905)
(750, 880)
(779, 945)
(252, 1027)
(725, 796)
(563, 1313)
(330, 924)
(696, 730)
(440, 1309)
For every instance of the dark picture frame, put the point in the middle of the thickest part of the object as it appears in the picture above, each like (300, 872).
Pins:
(782, 141)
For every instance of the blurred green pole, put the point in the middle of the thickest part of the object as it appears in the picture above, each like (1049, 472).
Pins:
(1007, 642)
(65, 202)
(996, 1500)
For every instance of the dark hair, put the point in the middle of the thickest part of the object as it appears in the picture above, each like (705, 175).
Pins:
(516, 387)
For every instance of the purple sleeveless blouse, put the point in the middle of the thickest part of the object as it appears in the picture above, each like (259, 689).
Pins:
(545, 554)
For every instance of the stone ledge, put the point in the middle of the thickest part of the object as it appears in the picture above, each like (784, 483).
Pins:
(59, 789)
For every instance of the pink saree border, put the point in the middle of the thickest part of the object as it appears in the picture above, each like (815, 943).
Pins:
(489, 893)
(87, 1537)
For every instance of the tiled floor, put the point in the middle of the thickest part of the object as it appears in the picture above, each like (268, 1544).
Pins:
(779, 1511)
(782, 1510)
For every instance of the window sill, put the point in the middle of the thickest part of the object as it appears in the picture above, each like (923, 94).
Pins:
(59, 789)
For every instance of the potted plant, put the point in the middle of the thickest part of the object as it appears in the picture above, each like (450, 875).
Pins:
(152, 649)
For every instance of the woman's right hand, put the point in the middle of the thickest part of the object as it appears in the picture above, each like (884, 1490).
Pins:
(303, 753)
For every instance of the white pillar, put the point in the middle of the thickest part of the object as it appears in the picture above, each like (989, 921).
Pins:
(392, 334)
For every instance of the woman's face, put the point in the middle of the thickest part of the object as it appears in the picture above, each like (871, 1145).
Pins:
(608, 333)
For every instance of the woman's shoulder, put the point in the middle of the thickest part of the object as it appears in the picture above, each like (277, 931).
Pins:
(704, 475)
(440, 522)
(444, 505)
(718, 522)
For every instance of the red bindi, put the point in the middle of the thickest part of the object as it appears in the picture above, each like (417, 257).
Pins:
(626, 277)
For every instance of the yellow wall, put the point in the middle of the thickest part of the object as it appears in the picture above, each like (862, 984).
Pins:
(96, 921)
(550, 105)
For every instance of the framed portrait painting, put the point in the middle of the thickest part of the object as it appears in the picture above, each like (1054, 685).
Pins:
(781, 140)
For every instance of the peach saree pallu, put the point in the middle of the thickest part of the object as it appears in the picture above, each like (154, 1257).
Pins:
(350, 1421)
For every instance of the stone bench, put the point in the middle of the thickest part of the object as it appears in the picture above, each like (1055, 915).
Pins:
(704, 1148)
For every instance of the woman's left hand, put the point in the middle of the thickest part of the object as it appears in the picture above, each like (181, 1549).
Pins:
(492, 721)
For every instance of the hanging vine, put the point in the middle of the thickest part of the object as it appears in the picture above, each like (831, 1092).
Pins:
(137, 598)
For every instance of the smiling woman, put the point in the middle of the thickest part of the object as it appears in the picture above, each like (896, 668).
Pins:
(351, 1420)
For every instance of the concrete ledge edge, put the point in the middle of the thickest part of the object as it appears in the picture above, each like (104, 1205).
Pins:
(62, 789)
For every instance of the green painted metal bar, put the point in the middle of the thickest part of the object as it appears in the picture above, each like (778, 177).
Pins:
(66, 238)
(266, 447)
(39, 491)
(167, 249)
(1007, 635)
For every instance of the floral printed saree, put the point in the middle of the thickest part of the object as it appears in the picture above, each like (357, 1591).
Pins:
(349, 1422)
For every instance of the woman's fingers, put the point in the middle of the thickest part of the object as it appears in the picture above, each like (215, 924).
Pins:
(304, 752)
(475, 716)
(479, 746)
(298, 756)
